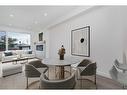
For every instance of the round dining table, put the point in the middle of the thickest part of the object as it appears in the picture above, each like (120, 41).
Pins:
(68, 61)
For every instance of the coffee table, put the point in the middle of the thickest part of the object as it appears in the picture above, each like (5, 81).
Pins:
(15, 60)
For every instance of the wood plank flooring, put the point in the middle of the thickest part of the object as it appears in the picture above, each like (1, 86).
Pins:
(18, 81)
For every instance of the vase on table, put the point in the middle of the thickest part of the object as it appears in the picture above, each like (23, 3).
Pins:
(61, 57)
(61, 53)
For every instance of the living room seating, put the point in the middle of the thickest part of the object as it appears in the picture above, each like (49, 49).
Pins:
(28, 54)
(34, 69)
(67, 83)
(89, 70)
(7, 56)
(9, 69)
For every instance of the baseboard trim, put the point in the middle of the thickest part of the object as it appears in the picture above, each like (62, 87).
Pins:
(103, 74)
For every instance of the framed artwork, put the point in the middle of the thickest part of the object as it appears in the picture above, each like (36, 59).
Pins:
(80, 41)
(41, 36)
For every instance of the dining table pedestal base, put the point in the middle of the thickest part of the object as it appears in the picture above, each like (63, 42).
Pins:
(61, 72)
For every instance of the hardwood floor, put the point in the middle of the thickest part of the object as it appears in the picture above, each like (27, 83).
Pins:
(18, 81)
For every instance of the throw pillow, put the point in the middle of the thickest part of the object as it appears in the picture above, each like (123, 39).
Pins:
(8, 53)
(29, 52)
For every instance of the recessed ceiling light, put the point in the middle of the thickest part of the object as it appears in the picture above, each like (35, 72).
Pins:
(29, 27)
(10, 24)
(11, 15)
(45, 14)
(36, 22)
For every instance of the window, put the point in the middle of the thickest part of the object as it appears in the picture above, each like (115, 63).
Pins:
(18, 41)
(2, 41)
(15, 41)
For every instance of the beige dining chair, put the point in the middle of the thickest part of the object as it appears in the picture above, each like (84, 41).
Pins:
(120, 66)
(82, 64)
(89, 70)
(34, 69)
(118, 76)
(67, 83)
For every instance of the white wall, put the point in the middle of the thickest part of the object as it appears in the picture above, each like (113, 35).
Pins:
(106, 35)
(124, 24)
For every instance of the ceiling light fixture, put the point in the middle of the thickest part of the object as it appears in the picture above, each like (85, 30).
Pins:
(29, 27)
(11, 15)
(10, 24)
(36, 22)
(45, 14)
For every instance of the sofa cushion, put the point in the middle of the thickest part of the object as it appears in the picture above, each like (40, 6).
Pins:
(8, 53)
(29, 52)
(8, 69)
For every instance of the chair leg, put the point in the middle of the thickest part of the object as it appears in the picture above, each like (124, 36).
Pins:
(48, 72)
(81, 82)
(70, 70)
(27, 83)
(123, 86)
(95, 79)
(39, 85)
(77, 74)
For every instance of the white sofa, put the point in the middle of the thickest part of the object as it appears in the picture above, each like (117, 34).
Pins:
(17, 54)
(8, 58)
(28, 55)
(9, 69)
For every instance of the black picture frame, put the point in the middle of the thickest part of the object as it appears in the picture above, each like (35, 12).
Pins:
(41, 36)
(80, 41)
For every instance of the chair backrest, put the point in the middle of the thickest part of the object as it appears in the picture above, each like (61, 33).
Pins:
(117, 63)
(37, 64)
(89, 70)
(31, 71)
(67, 83)
(114, 73)
(84, 62)
(118, 76)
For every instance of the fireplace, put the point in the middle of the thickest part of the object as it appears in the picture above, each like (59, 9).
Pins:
(39, 47)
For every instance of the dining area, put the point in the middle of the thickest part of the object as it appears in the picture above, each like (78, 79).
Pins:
(54, 73)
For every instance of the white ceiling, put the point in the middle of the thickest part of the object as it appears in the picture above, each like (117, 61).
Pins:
(33, 18)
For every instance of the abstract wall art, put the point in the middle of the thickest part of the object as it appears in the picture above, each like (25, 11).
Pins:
(41, 36)
(80, 41)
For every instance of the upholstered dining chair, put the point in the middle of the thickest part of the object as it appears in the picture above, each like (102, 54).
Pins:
(67, 83)
(89, 70)
(118, 76)
(120, 66)
(34, 69)
(82, 64)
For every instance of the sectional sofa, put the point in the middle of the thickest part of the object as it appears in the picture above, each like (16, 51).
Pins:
(9, 55)
(8, 68)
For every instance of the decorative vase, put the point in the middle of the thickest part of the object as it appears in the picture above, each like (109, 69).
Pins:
(61, 57)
